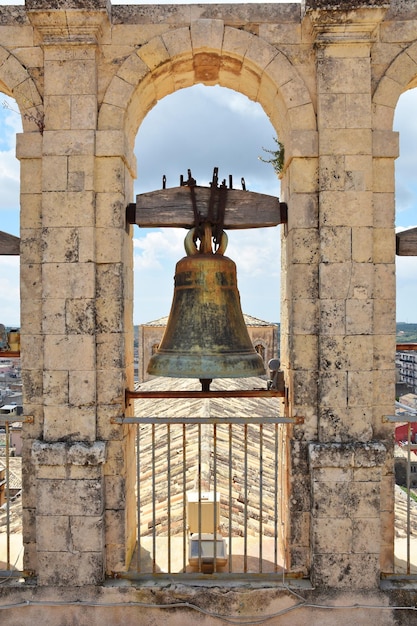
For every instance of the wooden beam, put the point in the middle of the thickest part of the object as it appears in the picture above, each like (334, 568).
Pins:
(407, 242)
(403, 347)
(9, 244)
(174, 208)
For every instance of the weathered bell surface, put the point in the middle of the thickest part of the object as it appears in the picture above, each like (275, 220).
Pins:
(206, 336)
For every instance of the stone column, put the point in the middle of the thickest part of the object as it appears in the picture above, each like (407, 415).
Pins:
(66, 501)
(355, 363)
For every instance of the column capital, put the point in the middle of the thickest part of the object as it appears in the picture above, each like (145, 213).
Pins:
(344, 21)
(70, 21)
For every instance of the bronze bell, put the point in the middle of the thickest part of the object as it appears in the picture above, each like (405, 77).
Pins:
(206, 336)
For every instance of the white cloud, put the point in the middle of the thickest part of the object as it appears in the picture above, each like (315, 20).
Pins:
(10, 292)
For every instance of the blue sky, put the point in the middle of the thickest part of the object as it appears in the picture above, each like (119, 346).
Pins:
(200, 128)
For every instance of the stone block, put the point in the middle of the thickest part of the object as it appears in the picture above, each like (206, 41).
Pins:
(304, 175)
(82, 388)
(358, 112)
(118, 93)
(384, 281)
(110, 175)
(366, 535)
(55, 387)
(70, 497)
(332, 172)
(69, 352)
(332, 474)
(305, 319)
(30, 245)
(70, 77)
(57, 112)
(346, 571)
(68, 142)
(335, 244)
(332, 536)
(207, 34)
(110, 386)
(303, 282)
(332, 317)
(53, 533)
(304, 352)
(384, 175)
(344, 208)
(345, 141)
(31, 352)
(304, 387)
(115, 492)
(54, 173)
(153, 53)
(30, 209)
(79, 316)
(70, 569)
(359, 317)
(87, 534)
(33, 386)
(362, 244)
(63, 280)
(359, 388)
(28, 145)
(259, 53)
(383, 245)
(364, 500)
(110, 210)
(83, 112)
(31, 176)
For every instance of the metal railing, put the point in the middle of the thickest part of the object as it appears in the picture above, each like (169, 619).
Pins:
(407, 416)
(8, 559)
(208, 496)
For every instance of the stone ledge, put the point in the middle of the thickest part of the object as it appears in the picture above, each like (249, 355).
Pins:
(370, 454)
(62, 453)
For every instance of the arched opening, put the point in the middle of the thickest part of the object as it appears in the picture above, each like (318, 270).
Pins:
(11, 541)
(200, 128)
(405, 459)
(216, 473)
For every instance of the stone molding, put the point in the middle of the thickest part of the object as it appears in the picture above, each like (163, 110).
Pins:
(62, 453)
(355, 454)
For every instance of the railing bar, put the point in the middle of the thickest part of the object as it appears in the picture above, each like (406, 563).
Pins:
(169, 493)
(245, 506)
(199, 498)
(260, 495)
(408, 499)
(153, 503)
(8, 419)
(230, 497)
(8, 565)
(210, 420)
(276, 499)
(184, 495)
(138, 484)
(215, 497)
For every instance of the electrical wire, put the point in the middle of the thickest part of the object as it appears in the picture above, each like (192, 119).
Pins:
(232, 619)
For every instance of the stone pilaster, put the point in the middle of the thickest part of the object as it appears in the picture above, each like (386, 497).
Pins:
(346, 508)
(70, 512)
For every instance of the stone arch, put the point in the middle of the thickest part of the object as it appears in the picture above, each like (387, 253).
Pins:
(400, 76)
(16, 82)
(211, 53)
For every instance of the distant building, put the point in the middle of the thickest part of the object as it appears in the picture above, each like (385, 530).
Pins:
(264, 337)
(407, 365)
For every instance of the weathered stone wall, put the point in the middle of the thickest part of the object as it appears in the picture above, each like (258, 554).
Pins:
(328, 75)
